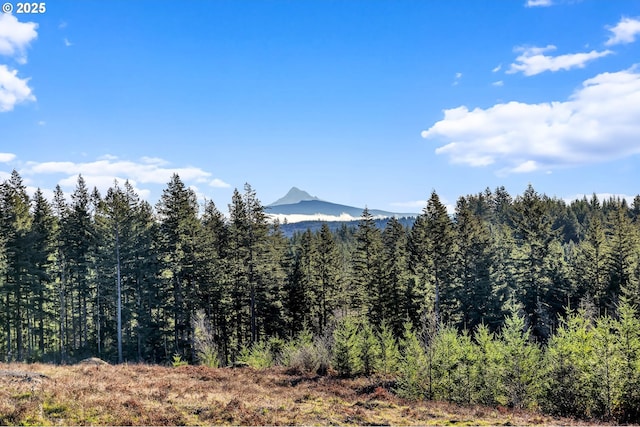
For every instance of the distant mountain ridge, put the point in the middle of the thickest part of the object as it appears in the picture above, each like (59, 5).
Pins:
(298, 205)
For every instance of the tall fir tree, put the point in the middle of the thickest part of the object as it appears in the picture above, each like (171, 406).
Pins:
(15, 226)
(179, 225)
(366, 269)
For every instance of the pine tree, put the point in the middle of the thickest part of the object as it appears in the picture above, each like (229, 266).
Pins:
(569, 360)
(441, 250)
(414, 371)
(488, 373)
(15, 226)
(345, 352)
(627, 332)
(521, 361)
(536, 286)
(366, 269)
(391, 298)
(43, 245)
(474, 264)
(78, 237)
(214, 291)
(592, 264)
(179, 226)
(623, 255)
(328, 277)
(389, 352)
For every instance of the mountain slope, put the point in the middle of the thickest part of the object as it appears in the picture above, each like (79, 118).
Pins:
(313, 207)
(298, 205)
(294, 195)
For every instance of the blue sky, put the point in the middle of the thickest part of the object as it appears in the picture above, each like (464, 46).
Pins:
(358, 102)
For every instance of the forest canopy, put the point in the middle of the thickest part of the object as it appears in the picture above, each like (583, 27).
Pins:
(115, 277)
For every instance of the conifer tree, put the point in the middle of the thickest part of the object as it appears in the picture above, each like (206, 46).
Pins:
(627, 332)
(366, 264)
(391, 298)
(623, 254)
(521, 361)
(328, 277)
(42, 241)
(474, 264)
(214, 290)
(536, 289)
(78, 234)
(15, 226)
(179, 225)
(592, 266)
(440, 255)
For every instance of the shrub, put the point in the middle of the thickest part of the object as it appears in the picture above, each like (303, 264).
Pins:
(204, 345)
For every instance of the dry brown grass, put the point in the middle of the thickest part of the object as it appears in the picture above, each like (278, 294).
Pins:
(196, 395)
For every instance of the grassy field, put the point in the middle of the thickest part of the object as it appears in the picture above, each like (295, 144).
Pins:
(39, 394)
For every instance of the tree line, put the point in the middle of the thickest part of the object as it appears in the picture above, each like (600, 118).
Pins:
(115, 277)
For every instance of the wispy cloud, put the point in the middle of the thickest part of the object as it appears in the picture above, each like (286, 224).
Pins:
(599, 122)
(497, 68)
(498, 83)
(538, 3)
(533, 60)
(67, 43)
(456, 79)
(624, 31)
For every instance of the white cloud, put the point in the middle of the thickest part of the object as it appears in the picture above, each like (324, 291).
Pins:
(497, 68)
(111, 166)
(218, 183)
(67, 43)
(101, 173)
(13, 90)
(532, 60)
(315, 217)
(538, 3)
(599, 122)
(624, 31)
(15, 36)
(498, 83)
(6, 157)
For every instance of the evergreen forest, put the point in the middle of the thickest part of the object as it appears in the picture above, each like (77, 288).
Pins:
(525, 301)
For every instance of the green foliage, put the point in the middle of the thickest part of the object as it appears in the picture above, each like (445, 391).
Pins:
(177, 361)
(118, 278)
(257, 356)
(389, 362)
(345, 351)
(521, 360)
(205, 347)
(569, 359)
(367, 350)
(414, 376)
(488, 372)
(453, 363)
